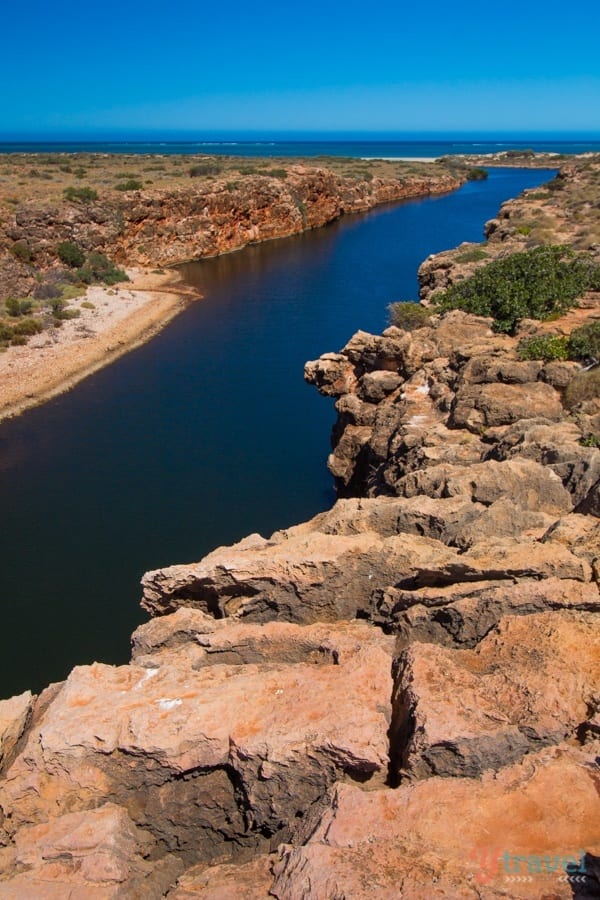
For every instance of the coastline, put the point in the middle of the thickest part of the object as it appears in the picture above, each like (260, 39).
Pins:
(123, 318)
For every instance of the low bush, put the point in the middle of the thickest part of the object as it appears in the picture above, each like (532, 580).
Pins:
(584, 386)
(131, 184)
(584, 343)
(546, 347)
(205, 168)
(16, 308)
(99, 268)
(27, 327)
(477, 174)
(474, 255)
(21, 251)
(590, 440)
(84, 194)
(517, 154)
(70, 254)
(534, 284)
(276, 173)
(47, 290)
(408, 315)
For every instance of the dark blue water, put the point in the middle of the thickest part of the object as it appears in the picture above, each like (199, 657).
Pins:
(358, 146)
(203, 435)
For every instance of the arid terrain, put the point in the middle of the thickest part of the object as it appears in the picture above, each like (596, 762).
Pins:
(398, 698)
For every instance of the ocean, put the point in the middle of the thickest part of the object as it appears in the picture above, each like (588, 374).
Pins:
(357, 146)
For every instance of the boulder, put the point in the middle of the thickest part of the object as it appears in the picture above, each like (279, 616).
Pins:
(512, 834)
(209, 754)
(529, 683)
(15, 715)
(98, 854)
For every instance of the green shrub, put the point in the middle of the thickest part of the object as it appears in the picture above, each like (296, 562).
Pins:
(584, 386)
(18, 340)
(205, 168)
(87, 304)
(21, 251)
(17, 308)
(27, 327)
(70, 254)
(535, 284)
(85, 194)
(477, 174)
(6, 332)
(408, 315)
(132, 184)
(276, 173)
(248, 170)
(584, 342)
(590, 440)
(517, 154)
(99, 268)
(546, 347)
(474, 255)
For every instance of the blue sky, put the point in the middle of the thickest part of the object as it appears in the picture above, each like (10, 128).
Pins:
(128, 66)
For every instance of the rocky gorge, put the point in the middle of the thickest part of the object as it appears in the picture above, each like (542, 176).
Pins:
(400, 697)
(193, 218)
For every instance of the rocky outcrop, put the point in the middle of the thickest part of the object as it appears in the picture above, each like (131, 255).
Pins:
(152, 228)
(562, 212)
(400, 696)
(510, 835)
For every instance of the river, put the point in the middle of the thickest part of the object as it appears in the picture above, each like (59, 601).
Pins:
(203, 435)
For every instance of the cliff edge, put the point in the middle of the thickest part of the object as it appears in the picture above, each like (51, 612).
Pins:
(400, 697)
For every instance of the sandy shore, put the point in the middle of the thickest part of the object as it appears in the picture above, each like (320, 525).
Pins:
(122, 317)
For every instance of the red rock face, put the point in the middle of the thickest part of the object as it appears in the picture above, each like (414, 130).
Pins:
(162, 229)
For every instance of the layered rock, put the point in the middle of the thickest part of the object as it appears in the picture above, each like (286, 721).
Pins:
(399, 697)
(165, 227)
(210, 742)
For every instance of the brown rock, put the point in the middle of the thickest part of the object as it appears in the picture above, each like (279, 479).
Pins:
(375, 386)
(98, 854)
(482, 406)
(15, 715)
(294, 577)
(331, 374)
(251, 881)
(525, 483)
(527, 684)
(462, 614)
(524, 823)
(210, 758)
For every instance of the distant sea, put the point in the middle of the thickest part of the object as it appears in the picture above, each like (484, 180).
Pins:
(363, 146)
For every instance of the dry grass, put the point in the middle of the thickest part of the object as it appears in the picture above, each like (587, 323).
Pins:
(44, 177)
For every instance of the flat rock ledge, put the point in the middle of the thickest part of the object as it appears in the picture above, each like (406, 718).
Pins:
(398, 698)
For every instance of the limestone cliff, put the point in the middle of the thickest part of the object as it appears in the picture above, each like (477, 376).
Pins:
(400, 697)
(163, 227)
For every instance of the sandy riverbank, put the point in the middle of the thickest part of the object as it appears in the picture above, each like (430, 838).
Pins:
(122, 317)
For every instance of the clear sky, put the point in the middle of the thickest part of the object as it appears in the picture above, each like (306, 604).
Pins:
(229, 66)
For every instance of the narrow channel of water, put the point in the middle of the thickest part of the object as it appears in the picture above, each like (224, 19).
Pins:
(201, 436)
